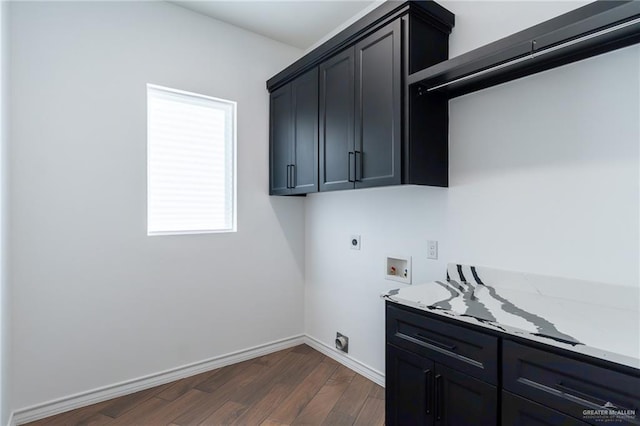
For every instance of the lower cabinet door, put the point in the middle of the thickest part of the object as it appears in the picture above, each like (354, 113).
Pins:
(409, 384)
(518, 411)
(462, 400)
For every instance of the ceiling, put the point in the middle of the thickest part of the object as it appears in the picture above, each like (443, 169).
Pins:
(298, 23)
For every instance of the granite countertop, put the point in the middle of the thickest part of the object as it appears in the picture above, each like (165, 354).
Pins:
(595, 319)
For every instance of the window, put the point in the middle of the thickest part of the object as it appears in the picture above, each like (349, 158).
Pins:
(191, 178)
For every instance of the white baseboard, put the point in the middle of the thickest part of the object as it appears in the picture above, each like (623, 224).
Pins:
(344, 359)
(82, 399)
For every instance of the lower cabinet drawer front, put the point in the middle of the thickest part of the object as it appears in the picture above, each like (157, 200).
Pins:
(518, 411)
(570, 386)
(460, 348)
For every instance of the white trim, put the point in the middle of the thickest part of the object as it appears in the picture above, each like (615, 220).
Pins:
(346, 360)
(82, 399)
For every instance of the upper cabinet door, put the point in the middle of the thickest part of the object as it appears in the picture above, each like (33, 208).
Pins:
(304, 172)
(378, 117)
(337, 93)
(280, 138)
(293, 154)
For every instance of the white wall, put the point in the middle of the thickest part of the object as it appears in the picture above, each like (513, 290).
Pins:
(544, 178)
(5, 305)
(95, 300)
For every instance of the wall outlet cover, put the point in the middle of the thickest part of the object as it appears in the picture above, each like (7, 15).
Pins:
(355, 242)
(432, 249)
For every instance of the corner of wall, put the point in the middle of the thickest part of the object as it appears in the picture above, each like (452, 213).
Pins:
(354, 18)
(5, 314)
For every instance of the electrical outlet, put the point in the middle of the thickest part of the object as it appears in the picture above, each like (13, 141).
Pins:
(432, 250)
(355, 242)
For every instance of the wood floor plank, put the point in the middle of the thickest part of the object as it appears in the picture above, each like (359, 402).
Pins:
(182, 386)
(322, 403)
(295, 386)
(301, 368)
(225, 415)
(346, 410)
(330, 361)
(224, 376)
(125, 403)
(139, 414)
(260, 410)
(221, 395)
(273, 358)
(377, 392)
(372, 413)
(303, 349)
(194, 400)
(97, 419)
(291, 370)
(270, 422)
(286, 412)
(71, 417)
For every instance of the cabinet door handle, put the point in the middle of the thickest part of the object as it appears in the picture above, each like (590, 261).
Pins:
(352, 169)
(577, 394)
(358, 173)
(293, 175)
(435, 342)
(428, 390)
(288, 175)
(439, 397)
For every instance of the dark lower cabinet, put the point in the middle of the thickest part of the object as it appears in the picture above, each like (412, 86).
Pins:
(409, 388)
(517, 411)
(462, 400)
(294, 137)
(423, 392)
(571, 386)
(439, 372)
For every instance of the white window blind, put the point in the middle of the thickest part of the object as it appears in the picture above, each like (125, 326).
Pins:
(191, 143)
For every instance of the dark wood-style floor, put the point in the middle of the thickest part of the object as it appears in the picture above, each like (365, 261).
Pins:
(297, 386)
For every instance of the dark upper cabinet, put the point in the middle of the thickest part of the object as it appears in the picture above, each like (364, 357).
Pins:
(337, 97)
(304, 172)
(373, 131)
(377, 154)
(280, 141)
(360, 117)
(294, 137)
